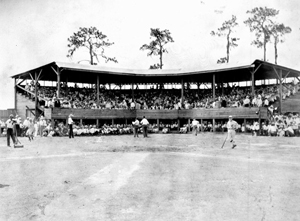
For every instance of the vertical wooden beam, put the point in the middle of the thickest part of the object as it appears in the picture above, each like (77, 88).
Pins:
(97, 123)
(67, 89)
(182, 91)
(35, 96)
(214, 86)
(97, 86)
(259, 120)
(58, 83)
(157, 121)
(280, 92)
(16, 94)
(112, 122)
(214, 124)
(126, 121)
(189, 129)
(132, 90)
(222, 85)
(201, 121)
(178, 122)
(81, 121)
(253, 83)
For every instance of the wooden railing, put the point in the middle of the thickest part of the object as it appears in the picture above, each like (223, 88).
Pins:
(222, 113)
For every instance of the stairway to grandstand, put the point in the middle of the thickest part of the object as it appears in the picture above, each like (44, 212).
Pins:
(291, 104)
(23, 103)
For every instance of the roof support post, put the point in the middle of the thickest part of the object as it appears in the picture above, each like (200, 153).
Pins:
(253, 79)
(214, 86)
(182, 91)
(67, 88)
(57, 72)
(35, 96)
(97, 86)
(253, 83)
(58, 84)
(222, 86)
(15, 94)
(132, 90)
(280, 92)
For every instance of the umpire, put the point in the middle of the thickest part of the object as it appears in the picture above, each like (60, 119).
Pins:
(70, 122)
(145, 124)
(10, 130)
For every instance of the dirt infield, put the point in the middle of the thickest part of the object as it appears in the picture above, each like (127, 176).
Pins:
(164, 177)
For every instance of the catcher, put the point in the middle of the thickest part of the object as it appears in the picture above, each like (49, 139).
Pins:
(231, 127)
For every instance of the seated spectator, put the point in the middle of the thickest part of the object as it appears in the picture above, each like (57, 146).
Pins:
(246, 102)
(272, 130)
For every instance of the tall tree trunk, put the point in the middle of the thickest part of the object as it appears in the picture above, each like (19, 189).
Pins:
(91, 54)
(228, 45)
(160, 59)
(276, 55)
(265, 47)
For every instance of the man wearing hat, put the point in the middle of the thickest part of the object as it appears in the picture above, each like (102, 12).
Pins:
(70, 123)
(231, 127)
(10, 133)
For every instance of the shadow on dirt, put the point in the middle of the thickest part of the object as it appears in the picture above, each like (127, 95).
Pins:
(3, 185)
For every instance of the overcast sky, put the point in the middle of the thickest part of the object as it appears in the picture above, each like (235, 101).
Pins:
(35, 32)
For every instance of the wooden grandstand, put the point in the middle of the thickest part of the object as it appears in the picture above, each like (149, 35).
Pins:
(75, 73)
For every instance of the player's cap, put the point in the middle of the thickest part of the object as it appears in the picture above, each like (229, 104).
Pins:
(11, 115)
(230, 116)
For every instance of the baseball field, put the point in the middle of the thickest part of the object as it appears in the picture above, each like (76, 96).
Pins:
(163, 177)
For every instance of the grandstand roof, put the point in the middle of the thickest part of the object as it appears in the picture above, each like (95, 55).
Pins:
(80, 73)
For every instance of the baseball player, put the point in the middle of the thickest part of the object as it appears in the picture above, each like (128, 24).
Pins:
(231, 127)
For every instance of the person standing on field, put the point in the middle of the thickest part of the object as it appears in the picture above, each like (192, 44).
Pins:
(10, 130)
(195, 125)
(70, 123)
(231, 127)
(136, 124)
(145, 124)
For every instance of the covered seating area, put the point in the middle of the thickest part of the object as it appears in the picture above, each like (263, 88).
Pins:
(131, 81)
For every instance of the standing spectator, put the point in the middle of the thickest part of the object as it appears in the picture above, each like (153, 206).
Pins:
(56, 102)
(145, 124)
(136, 127)
(30, 130)
(195, 125)
(10, 133)
(17, 123)
(43, 125)
(246, 102)
(2, 126)
(70, 123)
(26, 125)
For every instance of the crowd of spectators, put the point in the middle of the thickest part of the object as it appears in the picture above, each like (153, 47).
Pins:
(86, 98)
(280, 125)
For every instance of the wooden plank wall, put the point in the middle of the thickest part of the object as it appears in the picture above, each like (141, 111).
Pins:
(4, 114)
(223, 113)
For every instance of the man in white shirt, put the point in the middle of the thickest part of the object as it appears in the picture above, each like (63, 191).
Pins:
(231, 127)
(9, 126)
(136, 124)
(145, 124)
(70, 123)
(246, 102)
(272, 131)
(195, 125)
